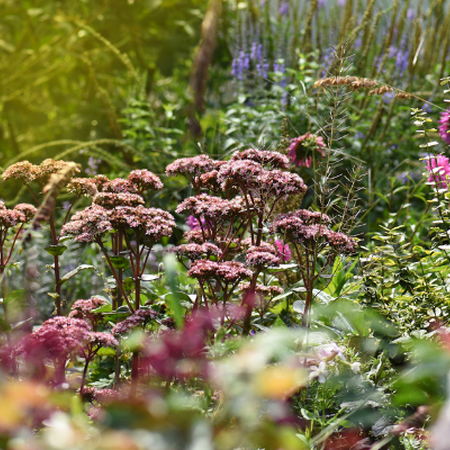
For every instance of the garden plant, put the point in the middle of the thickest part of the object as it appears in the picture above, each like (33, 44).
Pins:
(225, 225)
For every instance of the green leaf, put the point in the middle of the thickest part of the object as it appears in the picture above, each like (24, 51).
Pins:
(56, 250)
(103, 309)
(13, 296)
(171, 267)
(74, 272)
(4, 325)
(119, 262)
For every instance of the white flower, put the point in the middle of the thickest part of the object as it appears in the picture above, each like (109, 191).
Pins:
(319, 372)
(330, 351)
(356, 367)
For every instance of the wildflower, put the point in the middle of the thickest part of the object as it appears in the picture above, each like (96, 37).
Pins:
(23, 170)
(119, 186)
(194, 166)
(197, 251)
(145, 180)
(192, 223)
(211, 208)
(330, 351)
(154, 221)
(356, 367)
(87, 224)
(320, 372)
(83, 309)
(139, 318)
(302, 149)
(92, 166)
(111, 199)
(25, 212)
(230, 271)
(283, 250)
(444, 127)
(49, 167)
(275, 160)
(262, 290)
(260, 257)
(82, 186)
(439, 168)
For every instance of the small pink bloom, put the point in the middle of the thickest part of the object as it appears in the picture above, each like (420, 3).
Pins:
(444, 127)
(441, 175)
(301, 149)
(283, 250)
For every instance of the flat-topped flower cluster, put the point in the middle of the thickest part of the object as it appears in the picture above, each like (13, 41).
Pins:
(235, 233)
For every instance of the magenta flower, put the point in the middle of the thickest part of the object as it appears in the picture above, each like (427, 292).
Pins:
(193, 223)
(444, 127)
(302, 149)
(283, 250)
(439, 169)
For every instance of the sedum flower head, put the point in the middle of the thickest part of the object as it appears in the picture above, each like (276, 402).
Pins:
(198, 251)
(112, 199)
(86, 187)
(155, 222)
(86, 225)
(275, 160)
(191, 167)
(58, 338)
(229, 271)
(23, 170)
(138, 319)
(145, 180)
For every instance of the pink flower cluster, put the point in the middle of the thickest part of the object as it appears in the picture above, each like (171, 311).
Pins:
(283, 250)
(117, 206)
(262, 256)
(21, 213)
(197, 251)
(210, 208)
(302, 149)
(57, 339)
(139, 318)
(28, 172)
(191, 167)
(230, 271)
(180, 354)
(275, 160)
(444, 127)
(439, 169)
(83, 309)
(307, 228)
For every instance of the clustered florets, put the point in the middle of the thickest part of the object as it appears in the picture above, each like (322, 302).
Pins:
(262, 256)
(139, 318)
(83, 309)
(58, 338)
(275, 160)
(230, 271)
(118, 205)
(308, 227)
(207, 207)
(28, 172)
(196, 251)
(21, 213)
